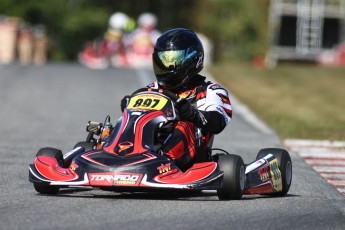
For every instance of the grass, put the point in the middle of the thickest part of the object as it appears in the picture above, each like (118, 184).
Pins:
(298, 101)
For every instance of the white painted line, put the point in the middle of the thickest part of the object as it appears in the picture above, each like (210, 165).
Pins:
(330, 176)
(322, 162)
(329, 169)
(342, 190)
(319, 149)
(314, 143)
(320, 154)
(337, 182)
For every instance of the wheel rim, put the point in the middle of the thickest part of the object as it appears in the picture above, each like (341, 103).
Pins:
(288, 172)
(242, 178)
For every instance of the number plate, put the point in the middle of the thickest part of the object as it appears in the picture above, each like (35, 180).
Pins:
(147, 102)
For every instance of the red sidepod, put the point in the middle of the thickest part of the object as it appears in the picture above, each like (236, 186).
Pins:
(198, 172)
(265, 188)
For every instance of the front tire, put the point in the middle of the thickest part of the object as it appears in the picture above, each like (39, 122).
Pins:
(284, 164)
(86, 145)
(233, 179)
(46, 189)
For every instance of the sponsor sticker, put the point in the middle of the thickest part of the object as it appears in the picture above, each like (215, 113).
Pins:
(114, 178)
(225, 99)
(73, 166)
(264, 175)
(164, 168)
(200, 61)
(188, 94)
(276, 175)
(216, 86)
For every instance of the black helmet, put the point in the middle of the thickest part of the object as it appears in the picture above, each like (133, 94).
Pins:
(178, 56)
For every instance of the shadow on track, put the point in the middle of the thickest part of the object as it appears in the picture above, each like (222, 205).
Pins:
(209, 195)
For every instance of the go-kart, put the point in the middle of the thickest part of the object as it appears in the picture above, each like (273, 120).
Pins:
(101, 53)
(126, 157)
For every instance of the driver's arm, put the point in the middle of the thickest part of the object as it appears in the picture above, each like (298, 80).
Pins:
(213, 115)
(210, 121)
(215, 122)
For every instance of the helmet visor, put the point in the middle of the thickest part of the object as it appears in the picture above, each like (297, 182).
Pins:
(166, 62)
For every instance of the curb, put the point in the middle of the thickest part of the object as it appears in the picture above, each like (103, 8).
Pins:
(327, 158)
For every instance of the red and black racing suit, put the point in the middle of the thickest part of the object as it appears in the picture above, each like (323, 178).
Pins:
(191, 138)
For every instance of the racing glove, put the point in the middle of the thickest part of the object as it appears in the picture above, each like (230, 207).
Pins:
(124, 102)
(164, 131)
(210, 121)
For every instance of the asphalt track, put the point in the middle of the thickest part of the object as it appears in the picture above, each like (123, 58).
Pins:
(50, 106)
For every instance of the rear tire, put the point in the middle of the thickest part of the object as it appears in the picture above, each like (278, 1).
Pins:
(57, 154)
(233, 179)
(284, 164)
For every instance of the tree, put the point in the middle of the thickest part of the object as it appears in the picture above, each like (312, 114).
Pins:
(238, 28)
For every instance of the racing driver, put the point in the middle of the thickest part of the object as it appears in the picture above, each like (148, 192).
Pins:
(204, 107)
